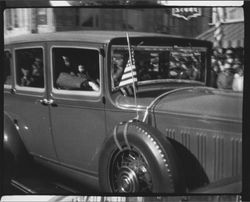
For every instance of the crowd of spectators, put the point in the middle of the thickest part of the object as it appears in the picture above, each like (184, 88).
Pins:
(227, 70)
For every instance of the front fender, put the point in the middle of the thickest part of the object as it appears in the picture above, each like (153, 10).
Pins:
(155, 148)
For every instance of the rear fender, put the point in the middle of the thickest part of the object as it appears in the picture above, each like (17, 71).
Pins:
(12, 140)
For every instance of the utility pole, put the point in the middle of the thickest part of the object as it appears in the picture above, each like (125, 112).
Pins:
(34, 28)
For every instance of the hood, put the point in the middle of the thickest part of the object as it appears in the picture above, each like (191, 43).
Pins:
(129, 102)
(206, 102)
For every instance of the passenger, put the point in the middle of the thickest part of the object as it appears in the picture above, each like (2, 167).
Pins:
(87, 81)
(142, 69)
(65, 75)
(194, 73)
(68, 68)
(82, 72)
(154, 65)
(37, 73)
(26, 79)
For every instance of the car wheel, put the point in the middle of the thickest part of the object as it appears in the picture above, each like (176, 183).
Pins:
(139, 160)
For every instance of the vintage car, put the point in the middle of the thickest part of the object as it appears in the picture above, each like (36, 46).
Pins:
(170, 132)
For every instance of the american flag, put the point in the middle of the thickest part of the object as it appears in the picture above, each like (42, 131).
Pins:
(129, 78)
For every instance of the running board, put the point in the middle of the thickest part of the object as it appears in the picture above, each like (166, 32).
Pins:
(21, 187)
(34, 186)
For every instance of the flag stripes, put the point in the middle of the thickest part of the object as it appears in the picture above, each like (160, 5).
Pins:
(129, 75)
(129, 68)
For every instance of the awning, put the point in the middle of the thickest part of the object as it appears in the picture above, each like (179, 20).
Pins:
(233, 35)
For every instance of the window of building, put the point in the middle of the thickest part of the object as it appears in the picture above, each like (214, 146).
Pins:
(228, 14)
(75, 69)
(234, 14)
(8, 18)
(29, 67)
(42, 16)
(16, 18)
(7, 68)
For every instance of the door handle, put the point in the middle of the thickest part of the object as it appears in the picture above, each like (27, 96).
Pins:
(48, 102)
(44, 101)
(52, 103)
(12, 90)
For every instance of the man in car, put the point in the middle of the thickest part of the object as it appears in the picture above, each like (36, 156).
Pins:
(117, 68)
(88, 83)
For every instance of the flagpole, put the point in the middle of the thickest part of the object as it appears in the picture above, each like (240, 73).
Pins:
(218, 32)
(130, 58)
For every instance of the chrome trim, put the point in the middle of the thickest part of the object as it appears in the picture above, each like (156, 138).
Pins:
(165, 94)
(22, 187)
(87, 172)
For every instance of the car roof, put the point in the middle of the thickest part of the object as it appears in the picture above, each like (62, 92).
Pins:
(86, 36)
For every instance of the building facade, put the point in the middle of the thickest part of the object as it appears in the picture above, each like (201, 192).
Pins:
(137, 19)
(28, 20)
(232, 25)
(38, 20)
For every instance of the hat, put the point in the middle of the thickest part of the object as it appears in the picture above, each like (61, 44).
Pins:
(236, 66)
(154, 54)
(229, 52)
(229, 60)
(227, 66)
(176, 58)
(117, 55)
(237, 62)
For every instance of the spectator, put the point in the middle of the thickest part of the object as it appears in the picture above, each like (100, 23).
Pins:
(229, 57)
(26, 79)
(238, 80)
(227, 71)
(225, 79)
(215, 70)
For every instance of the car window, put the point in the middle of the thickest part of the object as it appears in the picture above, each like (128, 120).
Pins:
(75, 69)
(7, 68)
(29, 67)
(159, 63)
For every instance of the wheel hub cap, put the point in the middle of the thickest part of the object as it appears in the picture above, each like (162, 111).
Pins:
(127, 180)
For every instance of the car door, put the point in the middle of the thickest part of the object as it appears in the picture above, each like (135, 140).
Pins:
(27, 104)
(77, 109)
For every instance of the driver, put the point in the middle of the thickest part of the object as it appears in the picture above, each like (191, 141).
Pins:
(117, 68)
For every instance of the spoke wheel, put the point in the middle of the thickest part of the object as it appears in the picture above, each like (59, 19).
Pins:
(142, 161)
(129, 172)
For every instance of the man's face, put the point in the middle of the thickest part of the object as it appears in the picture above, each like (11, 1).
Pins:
(66, 61)
(118, 60)
(154, 59)
(81, 69)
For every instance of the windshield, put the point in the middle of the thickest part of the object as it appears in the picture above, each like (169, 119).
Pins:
(160, 64)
